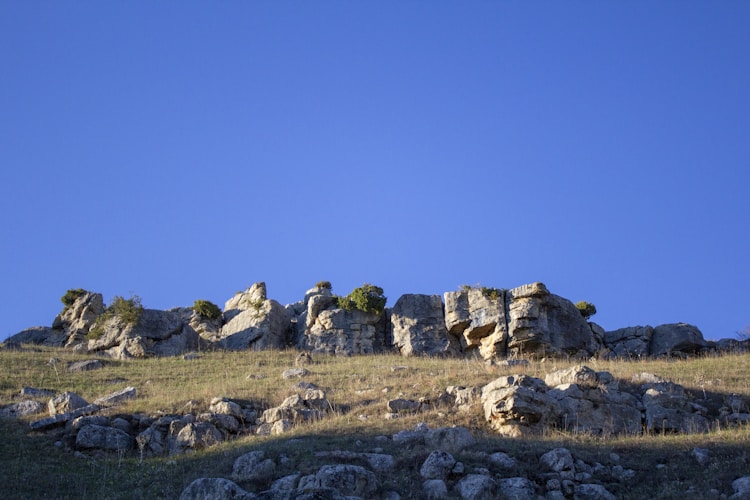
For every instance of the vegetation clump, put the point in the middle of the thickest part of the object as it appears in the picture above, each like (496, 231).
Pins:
(367, 298)
(71, 296)
(492, 293)
(324, 284)
(128, 311)
(206, 309)
(587, 309)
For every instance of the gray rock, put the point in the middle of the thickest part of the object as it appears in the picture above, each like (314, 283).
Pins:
(502, 460)
(253, 467)
(434, 489)
(403, 405)
(345, 479)
(679, 337)
(223, 406)
(480, 319)
(583, 376)
(519, 405)
(103, 438)
(78, 423)
(437, 465)
(21, 409)
(253, 321)
(193, 436)
(476, 487)
(517, 488)
(43, 335)
(214, 488)
(116, 397)
(378, 462)
(84, 366)
(668, 409)
(62, 418)
(557, 460)
(701, 455)
(295, 373)
(77, 319)
(592, 492)
(741, 488)
(632, 342)
(450, 439)
(418, 326)
(65, 403)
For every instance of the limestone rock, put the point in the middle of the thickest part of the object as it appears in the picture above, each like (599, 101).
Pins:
(214, 488)
(329, 329)
(39, 335)
(518, 405)
(103, 438)
(116, 397)
(545, 324)
(450, 439)
(194, 436)
(630, 342)
(517, 488)
(346, 479)
(741, 488)
(77, 319)
(253, 467)
(668, 409)
(558, 460)
(479, 317)
(437, 465)
(418, 326)
(434, 489)
(253, 321)
(476, 487)
(86, 365)
(65, 403)
(679, 337)
(22, 409)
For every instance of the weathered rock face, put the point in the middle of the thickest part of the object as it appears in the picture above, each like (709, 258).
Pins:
(418, 326)
(329, 329)
(43, 335)
(77, 319)
(678, 337)
(630, 342)
(479, 319)
(524, 321)
(254, 322)
(156, 333)
(543, 323)
(519, 405)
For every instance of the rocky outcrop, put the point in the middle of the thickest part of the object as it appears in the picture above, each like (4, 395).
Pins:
(418, 326)
(332, 330)
(523, 322)
(254, 322)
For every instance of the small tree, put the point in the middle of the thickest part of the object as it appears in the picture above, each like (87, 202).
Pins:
(324, 284)
(587, 309)
(367, 298)
(206, 309)
(71, 296)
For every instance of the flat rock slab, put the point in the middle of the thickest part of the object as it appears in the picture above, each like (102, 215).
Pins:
(116, 397)
(84, 366)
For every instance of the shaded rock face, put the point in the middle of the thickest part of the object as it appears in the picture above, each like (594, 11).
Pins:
(77, 319)
(480, 320)
(254, 322)
(543, 323)
(418, 326)
(679, 337)
(524, 321)
(156, 333)
(630, 342)
(329, 329)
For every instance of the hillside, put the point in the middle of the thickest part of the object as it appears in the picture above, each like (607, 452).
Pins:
(370, 404)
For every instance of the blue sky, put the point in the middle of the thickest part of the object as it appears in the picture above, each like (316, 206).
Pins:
(184, 150)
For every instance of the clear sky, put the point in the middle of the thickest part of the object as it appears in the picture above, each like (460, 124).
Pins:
(185, 150)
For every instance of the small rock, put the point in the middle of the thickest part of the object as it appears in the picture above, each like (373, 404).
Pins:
(437, 465)
(502, 460)
(214, 488)
(253, 467)
(517, 488)
(475, 486)
(741, 488)
(434, 489)
(593, 492)
(116, 397)
(557, 460)
(403, 405)
(295, 373)
(84, 366)
(65, 403)
(702, 455)
(451, 439)
(22, 409)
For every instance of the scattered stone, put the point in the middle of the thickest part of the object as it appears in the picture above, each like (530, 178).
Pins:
(214, 488)
(103, 438)
(403, 405)
(65, 403)
(517, 488)
(434, 489)
(345, 479)
(592, 492)
(295, 373)
(741, 488)
(437, 465)
(450, 439)
(378, 462)
(116, 397)
(189, 356)
(84, 366)
(502, 460)
(22, 409)
(702, 455)
(557, 460)
(303, 358)
(61, 418)
(475, 487)
(253, 467)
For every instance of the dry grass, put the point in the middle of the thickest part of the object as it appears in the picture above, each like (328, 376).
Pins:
(359, 388)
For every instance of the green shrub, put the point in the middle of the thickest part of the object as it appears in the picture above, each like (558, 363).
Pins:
(71, 296)
(324, 284)
(206, 309)
(367, 298)
(492, 293)
(127, 310)
(586, 309)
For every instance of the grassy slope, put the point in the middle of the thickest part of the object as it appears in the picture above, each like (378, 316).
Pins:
(33, 467)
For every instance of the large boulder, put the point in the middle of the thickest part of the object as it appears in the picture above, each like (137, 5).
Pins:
(43, 335)
(418, 326)
(154, 333)
(330, 329)
(546, 324)
(479, 317)
(77, 319)
(103, 438)
(352, 480)
(669, 409)
(519, 405)
(630, 342)
(254, 322)
(677, 337)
